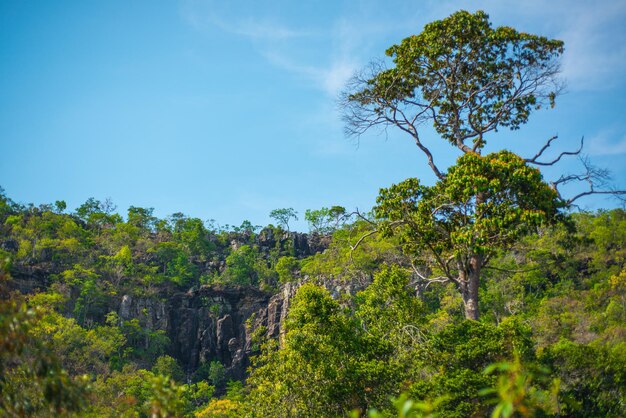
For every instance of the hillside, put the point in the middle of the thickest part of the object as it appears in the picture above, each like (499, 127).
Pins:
(122, 305)
(474, 286)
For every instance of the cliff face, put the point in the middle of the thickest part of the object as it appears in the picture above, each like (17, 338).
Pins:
(216, 323)
(213, 323)
(210, 323)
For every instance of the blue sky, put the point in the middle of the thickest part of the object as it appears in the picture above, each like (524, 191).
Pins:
(227, 110)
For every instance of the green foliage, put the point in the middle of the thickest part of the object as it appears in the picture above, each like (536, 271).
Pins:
(175, 264)
(519, 391)
(212, 372)
(454, 360)
(468, 79)
(246, 228)
(46, 237)
(32, 380)
(245, 267)
(235, 391)
(333, 361)
(483, 206)
(593, 377)
(390, 312)
(324, 220)
(463, 76)
(169, 367)
(167, 398)
(286, 268)
(145, 344)
(139, 393)
(221, 408)
(325, 367)
(199, 393)
(60, 206)
(7, 205)
(283, 216)
(342, 260)
(606, 231)
(193, 237)
(516, 392)
(79, 350)
(216, 374)
(90, 294)
(98, 214)
(407, 408)
(560, 289)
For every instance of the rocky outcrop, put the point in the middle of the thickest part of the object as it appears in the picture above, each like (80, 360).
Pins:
(205, 325)
(216, 323)
(272, 317)
(30, 279)
(304, 245)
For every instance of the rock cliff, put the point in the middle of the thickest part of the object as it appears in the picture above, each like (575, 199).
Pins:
(216, 323)
(205, 324)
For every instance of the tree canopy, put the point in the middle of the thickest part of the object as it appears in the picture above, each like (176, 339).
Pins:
(283, 216)
(467, 79)
(461, 75)
(118, 314)
(484, 204)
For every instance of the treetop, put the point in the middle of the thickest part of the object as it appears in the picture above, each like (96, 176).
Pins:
(461, 75)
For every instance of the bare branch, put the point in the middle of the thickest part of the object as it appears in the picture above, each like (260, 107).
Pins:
(429, 156)
(413, 332)
(384, 109)
(356, 245)
(597, 179)
(616, 193)
(361, 216)
(429, 280)
(556, 160)
(438, 208)
(547, 144)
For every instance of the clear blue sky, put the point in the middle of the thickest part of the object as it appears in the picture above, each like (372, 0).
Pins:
(227, 110)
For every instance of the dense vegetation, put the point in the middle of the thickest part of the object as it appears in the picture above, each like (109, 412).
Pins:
(73, 269)
(552, 329)
(482, 294)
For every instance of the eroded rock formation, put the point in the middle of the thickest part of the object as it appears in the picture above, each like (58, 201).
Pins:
(216, 323)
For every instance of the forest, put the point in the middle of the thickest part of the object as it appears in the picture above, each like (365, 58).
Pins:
(550, 339)
(484, 294)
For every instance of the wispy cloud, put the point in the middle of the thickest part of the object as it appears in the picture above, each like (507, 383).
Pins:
(594, 34)
(259, 30)
(205, 14)
(276, 42)
(595, 39)
(330, 78)
(608, 142)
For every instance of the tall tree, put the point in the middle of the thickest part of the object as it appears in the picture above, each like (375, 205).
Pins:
(283, 216)
(453, 229)
(467, 79)
(461, 75)
(324, 220)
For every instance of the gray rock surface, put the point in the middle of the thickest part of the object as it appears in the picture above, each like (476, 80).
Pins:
(216, 323)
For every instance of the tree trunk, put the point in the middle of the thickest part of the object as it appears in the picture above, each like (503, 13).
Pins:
(471, 273)
(469, 286)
